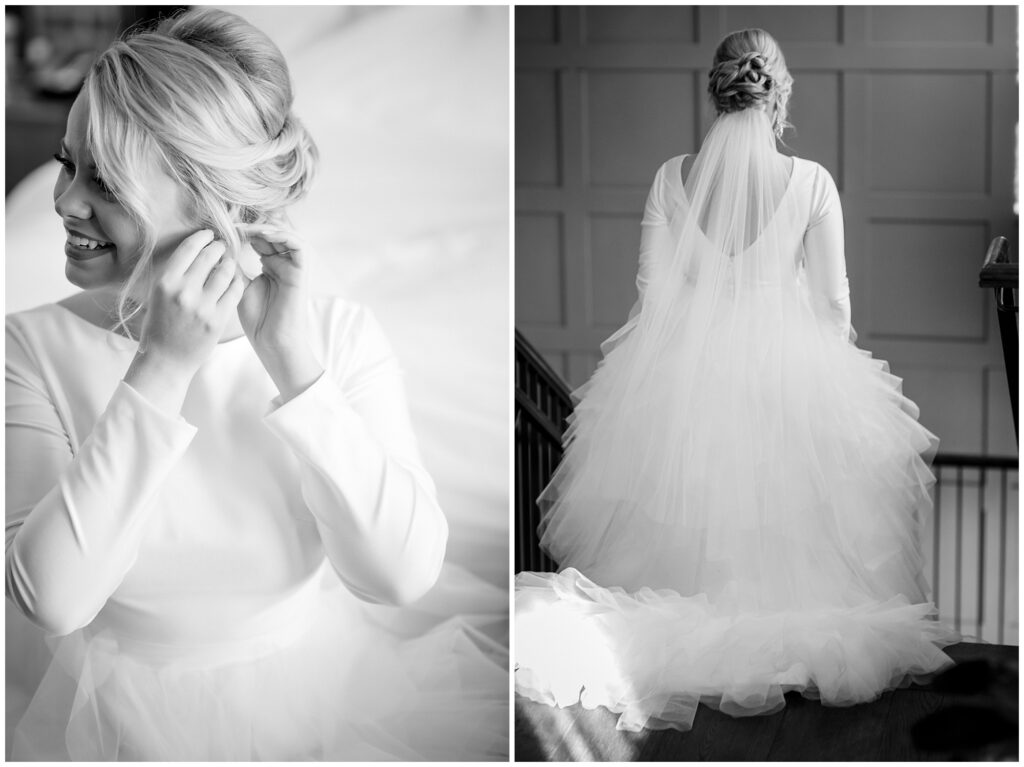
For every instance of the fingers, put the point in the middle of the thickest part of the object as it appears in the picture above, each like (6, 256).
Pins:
(200, 272)
(204, 262)
(220, 276)
(270, 241)
(186, 252)
(231, 297)
(271, 233)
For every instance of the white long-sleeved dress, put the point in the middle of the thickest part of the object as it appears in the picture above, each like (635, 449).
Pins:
(739, 510)
(207, 578)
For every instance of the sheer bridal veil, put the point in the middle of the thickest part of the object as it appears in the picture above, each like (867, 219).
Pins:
(734, 233)
(720, 357)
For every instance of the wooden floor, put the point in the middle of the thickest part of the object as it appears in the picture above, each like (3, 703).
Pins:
(804, 730)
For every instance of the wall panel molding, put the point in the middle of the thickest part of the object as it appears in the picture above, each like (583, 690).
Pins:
(911, 108)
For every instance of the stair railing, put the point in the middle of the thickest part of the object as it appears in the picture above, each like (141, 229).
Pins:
(1000, 273)
(542, 405)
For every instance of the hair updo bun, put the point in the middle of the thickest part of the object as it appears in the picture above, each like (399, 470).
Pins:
(207, 97)
(749, 72)
(270, 155)
(740, 83)
(291, 161)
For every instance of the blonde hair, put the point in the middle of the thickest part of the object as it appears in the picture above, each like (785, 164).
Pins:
(749, 70)
(208, 97)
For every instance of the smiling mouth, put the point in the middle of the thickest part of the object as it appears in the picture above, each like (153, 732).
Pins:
(84, 243)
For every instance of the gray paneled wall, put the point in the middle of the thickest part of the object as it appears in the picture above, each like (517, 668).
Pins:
(912, 110)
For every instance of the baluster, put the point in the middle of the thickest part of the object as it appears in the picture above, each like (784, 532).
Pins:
(981, 548)
(522, 513)
(550, 458)
(539, 464)
(958, 578)
(936, 527)
(1002, 552)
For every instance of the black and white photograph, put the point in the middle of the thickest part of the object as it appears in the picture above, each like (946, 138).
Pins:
(512, 383)
(765, 382)
(258, 364)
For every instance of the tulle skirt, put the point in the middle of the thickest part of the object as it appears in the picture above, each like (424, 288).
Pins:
(739, 513)
(335, 680)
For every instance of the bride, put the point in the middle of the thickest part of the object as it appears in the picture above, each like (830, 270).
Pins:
(216, 506)
(738, 511)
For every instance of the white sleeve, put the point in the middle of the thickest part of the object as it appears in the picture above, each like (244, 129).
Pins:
(362, 479)
(654, 232)
(825, 252)
(654, 236)
(74, 521)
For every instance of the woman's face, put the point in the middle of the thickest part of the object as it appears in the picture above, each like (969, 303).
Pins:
(103, 241)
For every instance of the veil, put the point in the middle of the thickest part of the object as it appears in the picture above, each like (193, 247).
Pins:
(728, 397)
(721, 288)
(734, 237)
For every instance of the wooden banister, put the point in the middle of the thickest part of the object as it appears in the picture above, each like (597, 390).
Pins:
(1000, 273)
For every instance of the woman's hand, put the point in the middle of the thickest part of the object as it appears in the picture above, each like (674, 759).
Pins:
(274, 310)
(188, 307)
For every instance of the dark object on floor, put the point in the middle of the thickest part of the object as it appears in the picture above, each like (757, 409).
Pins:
(985, 726)
(971, 733)
(966, 678)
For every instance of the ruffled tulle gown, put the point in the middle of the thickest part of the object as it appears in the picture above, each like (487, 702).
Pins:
(739, 509)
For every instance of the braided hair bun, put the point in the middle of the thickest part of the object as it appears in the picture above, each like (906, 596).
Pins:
(749, 72)
(740, 83)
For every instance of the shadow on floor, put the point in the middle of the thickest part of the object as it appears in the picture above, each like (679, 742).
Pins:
(804, 730)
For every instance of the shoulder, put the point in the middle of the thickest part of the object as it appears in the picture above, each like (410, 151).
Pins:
(817, 189)
(813, 179)
(59, 328)
(31, 337)
(78, 311)
(813, 174)
(665, 188)
(35, 327)
(669, 171)
(50, 343)
(38, 315)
